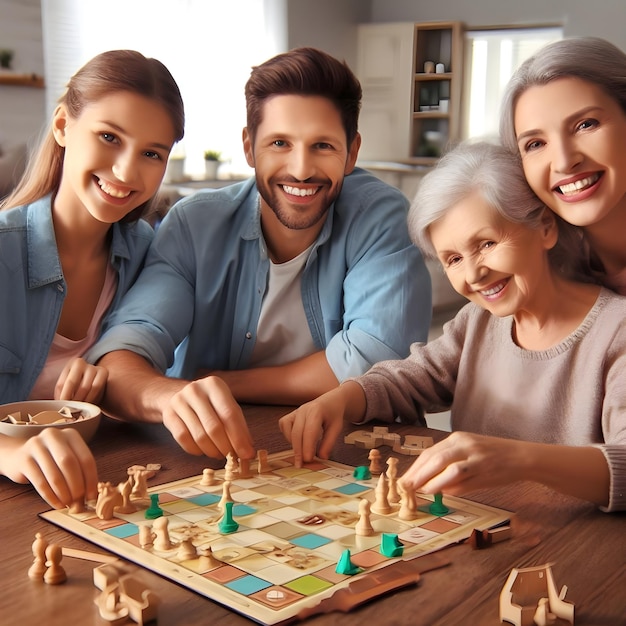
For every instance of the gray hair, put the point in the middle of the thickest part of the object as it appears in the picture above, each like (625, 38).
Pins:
(496, 173)
(589, 58)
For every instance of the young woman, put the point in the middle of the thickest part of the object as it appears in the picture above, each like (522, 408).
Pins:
(72, 243)
(564, 112)
(532, 368)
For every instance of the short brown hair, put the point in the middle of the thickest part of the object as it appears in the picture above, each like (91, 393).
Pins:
(304, 71)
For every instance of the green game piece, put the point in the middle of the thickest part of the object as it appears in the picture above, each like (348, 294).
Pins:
(391, 546)
(438, 507)
(362, 472)
(154, 510)
(227, 524)
(345, 566)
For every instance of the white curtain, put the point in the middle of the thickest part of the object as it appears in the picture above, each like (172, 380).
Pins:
(208, 45)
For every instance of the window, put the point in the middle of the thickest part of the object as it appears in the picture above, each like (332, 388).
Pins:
(208, 45)
(491, 58)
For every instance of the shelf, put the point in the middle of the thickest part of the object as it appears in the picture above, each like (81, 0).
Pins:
(21, 80)
(422, 76)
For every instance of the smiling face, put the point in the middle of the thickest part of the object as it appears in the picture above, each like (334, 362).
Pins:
(498, 264)
(115, 155)
(571, 136)
(300, 155)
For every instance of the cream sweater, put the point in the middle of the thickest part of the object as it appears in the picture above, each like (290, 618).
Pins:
(573, 393)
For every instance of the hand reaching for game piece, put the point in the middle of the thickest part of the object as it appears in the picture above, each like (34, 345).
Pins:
(57, 462)
(204, 418)
(314, 427)
(81, 381)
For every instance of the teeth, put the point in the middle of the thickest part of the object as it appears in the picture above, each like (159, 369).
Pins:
(493, 290)
(296, 191)
(112, 191)
(570, 188)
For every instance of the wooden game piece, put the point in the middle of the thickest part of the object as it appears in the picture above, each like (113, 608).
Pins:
(162, 540)
(125, 489)
(186, 549)
(227, 524)
(108, 574)
(408, 504)
(154, 510)
(345, 566)
(392, 476)
(77, 507)
(264, 466)
(55, 574)
(244, 468)
(381, 503)
(230, 469)
(483, 538)
(364, 526)
(413, 445)
(207, 558)
(375, 460)
(109, 605)
(208, 477)
(38, 568)
(391, 546)
(140, 483)
(108, 498)
(525, 590)
(226, 497)
(142, 603)
(146, 536)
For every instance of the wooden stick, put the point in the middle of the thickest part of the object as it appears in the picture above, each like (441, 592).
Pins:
(96, 557)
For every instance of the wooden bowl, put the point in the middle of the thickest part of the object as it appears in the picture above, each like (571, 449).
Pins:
(86, 424)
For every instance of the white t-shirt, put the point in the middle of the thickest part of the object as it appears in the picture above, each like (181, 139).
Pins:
(283, 333)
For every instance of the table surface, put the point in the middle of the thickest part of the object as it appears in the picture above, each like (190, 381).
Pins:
(587, 547)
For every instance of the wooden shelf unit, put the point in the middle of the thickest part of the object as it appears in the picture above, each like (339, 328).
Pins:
(21, 80)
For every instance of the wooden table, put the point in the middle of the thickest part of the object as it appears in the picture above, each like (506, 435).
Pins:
(587, 547)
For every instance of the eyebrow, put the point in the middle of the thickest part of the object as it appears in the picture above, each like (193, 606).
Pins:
(123, 132)
(581, 113)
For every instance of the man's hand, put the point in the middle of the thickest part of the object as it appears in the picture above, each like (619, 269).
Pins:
(315, 426)
(204, 418)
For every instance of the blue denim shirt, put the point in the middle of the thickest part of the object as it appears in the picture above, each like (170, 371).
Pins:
(365, 288)
(33, 288)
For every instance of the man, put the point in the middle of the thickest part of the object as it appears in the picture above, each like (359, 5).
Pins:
(275, 289)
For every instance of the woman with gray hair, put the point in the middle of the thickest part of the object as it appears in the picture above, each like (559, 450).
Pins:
(564, 114)
(531, 369)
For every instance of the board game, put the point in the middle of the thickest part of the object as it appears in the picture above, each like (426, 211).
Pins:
(294, 525)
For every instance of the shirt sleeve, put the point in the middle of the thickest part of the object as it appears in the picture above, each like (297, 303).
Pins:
(387, 296)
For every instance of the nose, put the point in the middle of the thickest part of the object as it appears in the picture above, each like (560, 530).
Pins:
(124, 168)
(301, 164)
(475, 271)
(565, 154)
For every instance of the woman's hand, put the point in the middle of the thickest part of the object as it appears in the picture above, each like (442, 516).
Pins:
(81, 381)
(57, 462)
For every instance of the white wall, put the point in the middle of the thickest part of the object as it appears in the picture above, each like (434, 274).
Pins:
(21, 108)
(602, 18)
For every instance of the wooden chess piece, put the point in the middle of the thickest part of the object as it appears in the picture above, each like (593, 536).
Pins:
(226, 497)
(264, 467)
(408, 504)
(244, 468)
(38, 568)
(375, 461)
(162, 540)
(55, 574)
(146, 536)
(392, 473)
(364, 526)
(186, 549)
(381, 503)
(230, 470)
(208, 477)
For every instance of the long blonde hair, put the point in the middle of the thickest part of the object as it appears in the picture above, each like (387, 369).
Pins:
(107, 73)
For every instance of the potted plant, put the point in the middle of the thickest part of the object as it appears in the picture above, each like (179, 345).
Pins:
(212, 160)
(6, 58)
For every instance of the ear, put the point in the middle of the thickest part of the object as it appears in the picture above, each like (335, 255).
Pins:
(353, 153)
(248, 148)
(549, 229)
(59, 122)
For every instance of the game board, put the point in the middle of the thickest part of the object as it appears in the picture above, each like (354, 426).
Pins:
(294, 526)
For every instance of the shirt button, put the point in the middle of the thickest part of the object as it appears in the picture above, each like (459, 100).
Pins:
(248, 335)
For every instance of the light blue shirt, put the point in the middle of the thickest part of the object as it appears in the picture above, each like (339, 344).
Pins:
(365, 288)
(33, 288)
